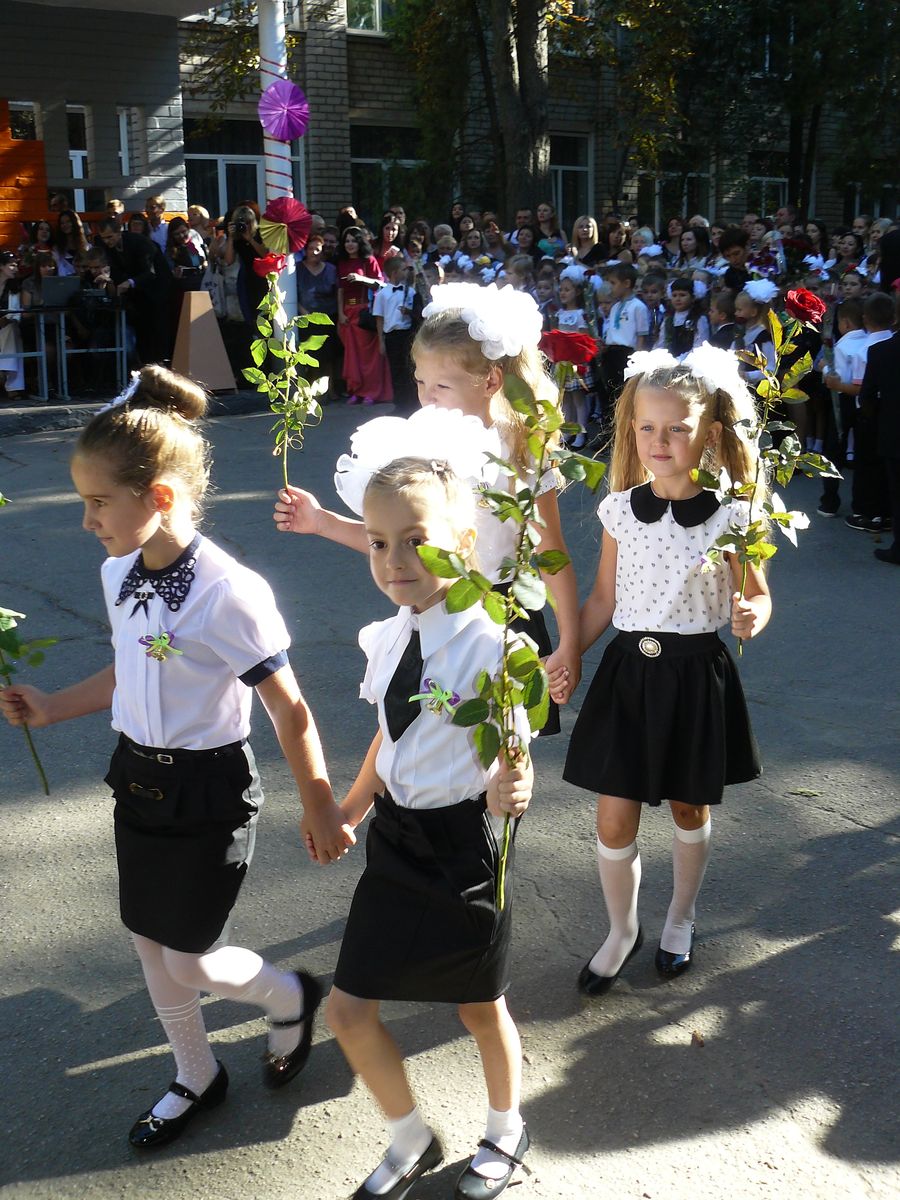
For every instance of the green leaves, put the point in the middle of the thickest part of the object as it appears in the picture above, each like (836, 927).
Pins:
(471, 712)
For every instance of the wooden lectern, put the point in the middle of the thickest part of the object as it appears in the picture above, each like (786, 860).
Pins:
(199, 349)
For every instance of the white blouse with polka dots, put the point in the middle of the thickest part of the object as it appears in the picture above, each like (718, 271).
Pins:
(660, 581)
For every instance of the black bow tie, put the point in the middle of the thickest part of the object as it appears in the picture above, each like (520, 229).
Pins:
(405, 682)
(398, 287)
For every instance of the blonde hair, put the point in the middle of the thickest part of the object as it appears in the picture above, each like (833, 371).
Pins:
(408, 477)
(153, 435)
(761, 306)
(735, 453)
(595, 231)
(447, 333)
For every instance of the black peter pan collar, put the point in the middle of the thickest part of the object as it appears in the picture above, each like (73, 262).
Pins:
(650, 508)
(171, 583)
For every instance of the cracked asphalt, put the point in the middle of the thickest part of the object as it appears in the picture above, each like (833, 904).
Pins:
(768, 1071)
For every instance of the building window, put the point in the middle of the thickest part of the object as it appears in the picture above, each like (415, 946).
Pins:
(385, 166)
(767, 183)
(76, 120)
(226, 165)
(22, 121)
(369, 16)
(672, 194)
(879, 202)
(123, 116)
(571, 176)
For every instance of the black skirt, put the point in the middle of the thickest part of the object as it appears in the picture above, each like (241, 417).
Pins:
(664, 719)
(535, 625)
(185, 833)
(424, 922)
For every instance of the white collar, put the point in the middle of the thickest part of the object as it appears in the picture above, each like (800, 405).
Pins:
(880, 335)
(436, 626)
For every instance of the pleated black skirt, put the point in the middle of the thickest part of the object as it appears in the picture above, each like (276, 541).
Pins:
(424, 922)
(666, 722)
(185, 833)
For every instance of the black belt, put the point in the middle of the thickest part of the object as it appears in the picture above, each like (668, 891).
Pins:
(653, 643)
(170, 757)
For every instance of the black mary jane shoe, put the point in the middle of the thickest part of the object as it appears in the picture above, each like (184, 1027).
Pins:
(431, 1157)
(472, 1186)
(279, 1069)
(670, 964)
(148, 1131)
(599, 985)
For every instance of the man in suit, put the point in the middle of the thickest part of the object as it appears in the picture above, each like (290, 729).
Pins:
(879, 398)
(141, 283)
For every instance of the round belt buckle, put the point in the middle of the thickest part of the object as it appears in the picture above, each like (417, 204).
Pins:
(649, 647)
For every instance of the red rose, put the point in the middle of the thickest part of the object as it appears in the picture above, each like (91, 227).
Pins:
(804, 306)
(561, 345)
(271, 262)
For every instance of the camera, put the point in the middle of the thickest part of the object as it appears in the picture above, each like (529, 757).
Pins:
(240, 227)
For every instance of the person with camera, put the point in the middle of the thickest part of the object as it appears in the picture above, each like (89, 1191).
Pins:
(243, 244)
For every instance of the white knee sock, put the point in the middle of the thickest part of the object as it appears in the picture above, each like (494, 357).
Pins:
(239, 974)
(178, 1009)
(410, 1138)
(690, 854)
(620, 878)
(503, 1129)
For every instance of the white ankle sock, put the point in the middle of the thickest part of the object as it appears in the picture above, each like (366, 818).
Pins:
(620, 878)
(410, 1138)
(504, 1129)
(195, 1060)
(690, 854)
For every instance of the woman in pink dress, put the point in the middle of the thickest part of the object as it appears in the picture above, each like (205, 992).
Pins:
(365, 367)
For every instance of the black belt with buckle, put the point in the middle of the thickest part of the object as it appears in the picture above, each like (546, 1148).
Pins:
(169, 757)
(655, 643)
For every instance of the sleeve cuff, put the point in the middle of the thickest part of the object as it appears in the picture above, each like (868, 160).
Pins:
(256, 675)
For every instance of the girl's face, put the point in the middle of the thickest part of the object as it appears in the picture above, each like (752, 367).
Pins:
(616, 237)
(137, 226)
(47, 268)
(351, 245)
(525, 239)
(120, 520)
(567, 292)
(814, 235)
(466, 224)
(314, 249)
(715, 233)
(585, 230)
(638, 242)
(681, 301)
(390, 229)
(456, 212)
(674, 228)
(9, 270)
(851, 285)
(544, 213)
(440, 380)
(65, 224)
(689, 242)
(875, 235)
(745, 311)
(396, 525)
(43, 233)
(847, 247)
(180, 235)
(473, 240)
(758, 231)
(544, 290)
(669, 438)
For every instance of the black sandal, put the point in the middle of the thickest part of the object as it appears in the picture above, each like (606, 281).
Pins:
(472, 1186)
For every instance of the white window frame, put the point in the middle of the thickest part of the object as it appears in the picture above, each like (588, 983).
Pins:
(778, 181)
(297, 161)
(78, 160)
(556, 174)
(123, 116)
(386, 164)
(378, 31)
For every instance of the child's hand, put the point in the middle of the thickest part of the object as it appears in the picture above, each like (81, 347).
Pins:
(326, 835)
(746, 621)
(22, 704)
(297, 511)
(563, 674)
(509, 791)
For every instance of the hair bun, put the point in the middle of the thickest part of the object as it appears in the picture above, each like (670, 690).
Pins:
(158, 387)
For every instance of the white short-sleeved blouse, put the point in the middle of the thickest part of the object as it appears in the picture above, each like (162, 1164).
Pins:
(495, 539)
(226, 628)
(662, 580)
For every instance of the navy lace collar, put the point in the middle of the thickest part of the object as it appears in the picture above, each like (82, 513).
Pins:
(171, 583)
(650, 508)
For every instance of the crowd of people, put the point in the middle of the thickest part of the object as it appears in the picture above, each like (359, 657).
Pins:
(626, 285)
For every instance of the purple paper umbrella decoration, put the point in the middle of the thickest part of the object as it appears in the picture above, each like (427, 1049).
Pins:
(284, 110)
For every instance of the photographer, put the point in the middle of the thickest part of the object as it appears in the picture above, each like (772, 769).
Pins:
(243, 245)
(186, 258)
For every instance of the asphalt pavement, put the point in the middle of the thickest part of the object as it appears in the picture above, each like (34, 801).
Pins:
(770, 1070)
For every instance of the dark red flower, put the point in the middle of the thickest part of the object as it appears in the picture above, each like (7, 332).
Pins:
(562, 345)
(271, 263)
(805, 306)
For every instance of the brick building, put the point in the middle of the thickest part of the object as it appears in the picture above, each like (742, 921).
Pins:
(105, 97)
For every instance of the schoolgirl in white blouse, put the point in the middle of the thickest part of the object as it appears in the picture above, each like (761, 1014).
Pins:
(194, 634)
(665, 716)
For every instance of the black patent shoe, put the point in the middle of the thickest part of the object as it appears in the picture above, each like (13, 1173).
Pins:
(599, 985)
(670, 964)
(472, 1186)
(148, 1131)
(431, 1157)
(279, 1069)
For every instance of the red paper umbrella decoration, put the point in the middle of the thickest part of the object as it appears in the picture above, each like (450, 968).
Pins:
(293, 217)
(284, 110)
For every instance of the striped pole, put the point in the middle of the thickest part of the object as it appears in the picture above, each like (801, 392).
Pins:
(279, 179)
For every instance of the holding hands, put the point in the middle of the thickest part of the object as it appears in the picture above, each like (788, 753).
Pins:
(326, 834)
